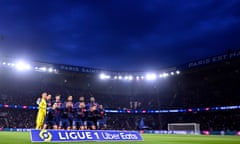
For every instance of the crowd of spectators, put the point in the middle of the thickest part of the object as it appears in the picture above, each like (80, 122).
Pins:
(224, 120)
(17, 118)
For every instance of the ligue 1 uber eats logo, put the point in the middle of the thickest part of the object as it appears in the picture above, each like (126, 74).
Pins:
(45, 135)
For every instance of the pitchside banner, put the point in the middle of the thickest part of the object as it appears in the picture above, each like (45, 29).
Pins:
(87, 135)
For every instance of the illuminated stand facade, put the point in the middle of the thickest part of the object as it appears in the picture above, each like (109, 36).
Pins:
(110, 76)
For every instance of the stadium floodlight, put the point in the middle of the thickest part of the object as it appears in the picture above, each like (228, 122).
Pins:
(126, 77)
(165, 74)
(178, 72)
(172, 73)
(151, 76)
(160, 75)
(11, 64)
(23, 66)
(20, 65)
(50, 69)
(130, 77)
(137, 77)
(104, 76)
(43, 68)
(36, 68)
(115, 77)
(142, 77)
(120, 77)
(4, 63)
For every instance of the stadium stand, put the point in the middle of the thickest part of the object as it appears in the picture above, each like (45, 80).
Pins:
(202, 86)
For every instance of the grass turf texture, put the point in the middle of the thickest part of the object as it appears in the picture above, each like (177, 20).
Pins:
(24, 138)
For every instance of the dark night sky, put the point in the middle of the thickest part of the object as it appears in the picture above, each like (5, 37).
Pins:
(118, 34)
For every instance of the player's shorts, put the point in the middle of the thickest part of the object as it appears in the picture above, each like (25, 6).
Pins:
(64, 123)
(77, 122)
(89, 123)
(57, 120)
(51, 123)
(102, 122)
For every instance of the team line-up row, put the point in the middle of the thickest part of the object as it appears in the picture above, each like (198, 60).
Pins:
(55, 114)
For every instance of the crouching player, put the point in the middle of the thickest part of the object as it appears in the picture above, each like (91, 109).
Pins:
(51, 120)
(101, 118)
(79, 116)
(66, 115)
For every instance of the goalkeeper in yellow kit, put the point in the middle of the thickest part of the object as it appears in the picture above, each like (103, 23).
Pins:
(42, 110)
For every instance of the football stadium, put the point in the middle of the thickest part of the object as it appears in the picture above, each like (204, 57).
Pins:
(120, 71)
(196, 102)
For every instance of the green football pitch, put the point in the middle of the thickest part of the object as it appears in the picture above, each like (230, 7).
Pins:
(24, 138)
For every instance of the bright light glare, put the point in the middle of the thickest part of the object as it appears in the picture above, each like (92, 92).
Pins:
(177, 72)
(43, 68)
(103, 76)
(20, 65)
(165, 74)
(28, 67)
(151, 76)
(130, 77)
(11, 64)
(23, 66)
(120, 77)
(50, 70)
(172, 73)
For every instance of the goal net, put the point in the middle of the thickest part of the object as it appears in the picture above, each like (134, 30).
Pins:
(184, 128)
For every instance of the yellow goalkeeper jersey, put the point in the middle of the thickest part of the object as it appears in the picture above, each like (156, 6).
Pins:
(42, 107)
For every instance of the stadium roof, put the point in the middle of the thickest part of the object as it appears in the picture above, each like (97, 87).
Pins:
(56, 68)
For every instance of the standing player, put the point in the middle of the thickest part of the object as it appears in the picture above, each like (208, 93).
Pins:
(77, 106)
(58, 103)
(71, 105)
(42, 106)
(92, 108)
(51, 118)
(79, 116)
(101, 118)
(49, 101)
(81, 100)
(66, 115)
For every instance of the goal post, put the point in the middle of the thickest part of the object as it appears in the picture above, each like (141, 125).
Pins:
(188, 128)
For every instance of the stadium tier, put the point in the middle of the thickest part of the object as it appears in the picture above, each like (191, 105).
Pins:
(206, 83)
